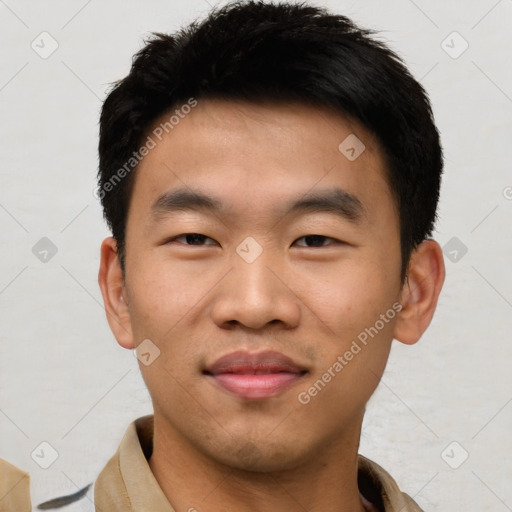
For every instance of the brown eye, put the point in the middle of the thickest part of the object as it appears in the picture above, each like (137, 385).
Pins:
(315, 241)
(192, 239)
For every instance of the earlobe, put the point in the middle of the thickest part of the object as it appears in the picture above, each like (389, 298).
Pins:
(110, 279)
(420, 292)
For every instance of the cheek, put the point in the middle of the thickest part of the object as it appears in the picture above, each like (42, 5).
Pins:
(348, 297)
(352, 357)
(347, 322)
(160, 297)
(164, 307)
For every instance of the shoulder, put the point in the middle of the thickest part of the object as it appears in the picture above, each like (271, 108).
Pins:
(379, 487)
(14, 488)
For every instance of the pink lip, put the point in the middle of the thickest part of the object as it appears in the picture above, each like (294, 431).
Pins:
(255, 376)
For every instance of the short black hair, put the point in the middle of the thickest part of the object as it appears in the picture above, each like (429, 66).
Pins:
(279, 52)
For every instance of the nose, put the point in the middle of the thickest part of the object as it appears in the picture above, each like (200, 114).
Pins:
(255, 295)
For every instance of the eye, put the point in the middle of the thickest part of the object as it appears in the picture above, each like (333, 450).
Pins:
(316, 240)
(191, 239)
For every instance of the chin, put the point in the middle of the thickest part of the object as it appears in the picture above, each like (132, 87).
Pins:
(249, 457)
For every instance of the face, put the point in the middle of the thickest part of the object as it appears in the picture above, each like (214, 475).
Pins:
(251, 232)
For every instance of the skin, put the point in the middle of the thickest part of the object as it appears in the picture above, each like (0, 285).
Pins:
(213, 450)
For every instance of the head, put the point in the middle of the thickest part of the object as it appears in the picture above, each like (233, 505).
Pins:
(305, 157)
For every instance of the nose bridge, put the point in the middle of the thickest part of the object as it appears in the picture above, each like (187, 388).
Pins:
(253, 293)
(252, 278)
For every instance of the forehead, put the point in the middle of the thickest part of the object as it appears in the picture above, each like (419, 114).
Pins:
(257, 155)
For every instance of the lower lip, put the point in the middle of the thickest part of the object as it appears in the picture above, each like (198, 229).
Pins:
(256, 386)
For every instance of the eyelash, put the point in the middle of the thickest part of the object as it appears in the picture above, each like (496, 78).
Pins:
(305, 236)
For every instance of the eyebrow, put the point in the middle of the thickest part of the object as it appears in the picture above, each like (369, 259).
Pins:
(333, 200)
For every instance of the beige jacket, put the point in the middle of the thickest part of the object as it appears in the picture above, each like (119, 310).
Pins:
(14, 489)
(127, 484)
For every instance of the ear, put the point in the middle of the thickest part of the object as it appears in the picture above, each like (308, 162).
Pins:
(420, 292)
(110, 279)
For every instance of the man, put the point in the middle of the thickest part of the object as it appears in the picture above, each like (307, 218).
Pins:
(271, 177)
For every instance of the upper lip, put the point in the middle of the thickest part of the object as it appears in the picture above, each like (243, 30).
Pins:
(246, 363)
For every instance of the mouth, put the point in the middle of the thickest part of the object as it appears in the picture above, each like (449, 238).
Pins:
(255, 376)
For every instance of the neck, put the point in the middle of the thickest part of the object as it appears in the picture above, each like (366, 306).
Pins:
(192, 480)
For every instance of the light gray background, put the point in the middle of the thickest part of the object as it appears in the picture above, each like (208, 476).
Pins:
(64, 379)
